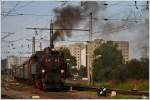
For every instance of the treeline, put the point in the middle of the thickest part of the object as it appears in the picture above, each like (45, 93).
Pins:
(135, 69)
(109, 65)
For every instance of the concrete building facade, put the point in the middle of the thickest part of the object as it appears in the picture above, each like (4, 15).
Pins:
(14, 60)
(84, 52)
(3, 64)
(77, 51)
(11, 60)
(145, 52)
(83, 56)
(21, 60)
(124, 47)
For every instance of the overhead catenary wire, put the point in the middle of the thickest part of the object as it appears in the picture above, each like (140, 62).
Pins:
(108, 19)
(25, 14)
(127, 4)
(95, 34)
(110, 30)
(9, 13)
(129, 20)
(11, 10)
(28, 23)
(28, 3)
(123, 28)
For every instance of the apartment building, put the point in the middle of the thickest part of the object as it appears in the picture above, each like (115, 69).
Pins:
(124, 47)
(78, 50)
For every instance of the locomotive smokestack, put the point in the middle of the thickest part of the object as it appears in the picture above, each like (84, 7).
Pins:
(51, 36)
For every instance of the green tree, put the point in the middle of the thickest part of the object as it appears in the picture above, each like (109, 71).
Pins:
(135, 69)
(106, 58)
(83, 71)
(120, 73)
(138, 69)
(67, 55)
(70, 60)
(74, 71)
(145, 68)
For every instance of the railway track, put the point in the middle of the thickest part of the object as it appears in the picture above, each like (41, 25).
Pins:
(87, 88)
(125, 92)
(131, 92)
(76, 86)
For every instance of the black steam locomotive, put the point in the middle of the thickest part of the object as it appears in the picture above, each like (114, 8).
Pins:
(45, 69)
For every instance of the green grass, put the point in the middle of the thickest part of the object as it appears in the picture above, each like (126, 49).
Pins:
(118, 96)
(142, 85)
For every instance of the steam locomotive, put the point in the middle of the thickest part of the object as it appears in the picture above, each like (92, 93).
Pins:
(45, 69)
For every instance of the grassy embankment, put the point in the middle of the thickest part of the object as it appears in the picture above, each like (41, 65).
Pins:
(142, 85)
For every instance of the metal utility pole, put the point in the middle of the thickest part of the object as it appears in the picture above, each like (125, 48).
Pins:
(51, 35)
(33, 42)
(40, 46)
(90, 27)
(33, 45)
(90, 53)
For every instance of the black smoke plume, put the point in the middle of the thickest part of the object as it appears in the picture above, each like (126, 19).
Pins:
(70, 16)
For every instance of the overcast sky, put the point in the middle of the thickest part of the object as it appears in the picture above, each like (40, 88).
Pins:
(40, 13)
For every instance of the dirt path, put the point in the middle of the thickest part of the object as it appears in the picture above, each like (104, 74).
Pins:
(13, 89)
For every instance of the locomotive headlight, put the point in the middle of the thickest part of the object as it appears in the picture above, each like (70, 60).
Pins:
(62, 71)
(43, 70)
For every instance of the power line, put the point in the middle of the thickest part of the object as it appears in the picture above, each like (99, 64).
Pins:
(72, 41)
(11, 10)
(25, 14)
(105, 19)
(9, 13)
(128, 20)
(28, 3)
(123, 28)
(126, 4)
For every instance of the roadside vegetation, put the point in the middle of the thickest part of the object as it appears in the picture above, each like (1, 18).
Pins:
(142, 85)
(70, 61)
(111, 71)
